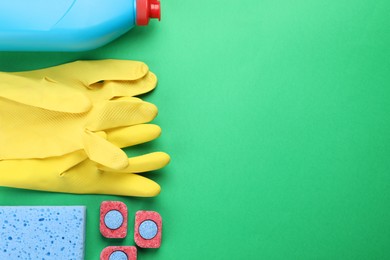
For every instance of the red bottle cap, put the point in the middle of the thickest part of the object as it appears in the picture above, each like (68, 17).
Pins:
(147, 9)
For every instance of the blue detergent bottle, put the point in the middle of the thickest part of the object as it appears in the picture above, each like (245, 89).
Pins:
(69, 25)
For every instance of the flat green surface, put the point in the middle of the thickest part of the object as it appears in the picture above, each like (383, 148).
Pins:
(277, 117)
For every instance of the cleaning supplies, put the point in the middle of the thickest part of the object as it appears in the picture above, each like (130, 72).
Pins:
(70, 25)
(64, 128)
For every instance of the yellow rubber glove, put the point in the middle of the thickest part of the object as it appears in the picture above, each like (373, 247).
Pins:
(75, 173)
(43, 117)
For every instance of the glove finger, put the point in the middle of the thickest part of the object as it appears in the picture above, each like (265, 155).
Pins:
(109, 89)
(44, 93)
(103, 152)
(143, 163)
(128, 185)
(133, 135)
(119, 113)
(87, 179)
(90, 72)
(110, 69)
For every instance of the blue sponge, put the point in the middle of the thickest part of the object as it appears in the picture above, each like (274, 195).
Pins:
(42, 232)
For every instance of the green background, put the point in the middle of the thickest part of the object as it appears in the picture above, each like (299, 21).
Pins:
(277, 117)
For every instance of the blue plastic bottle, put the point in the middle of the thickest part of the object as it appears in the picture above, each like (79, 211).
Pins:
(69, 25)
